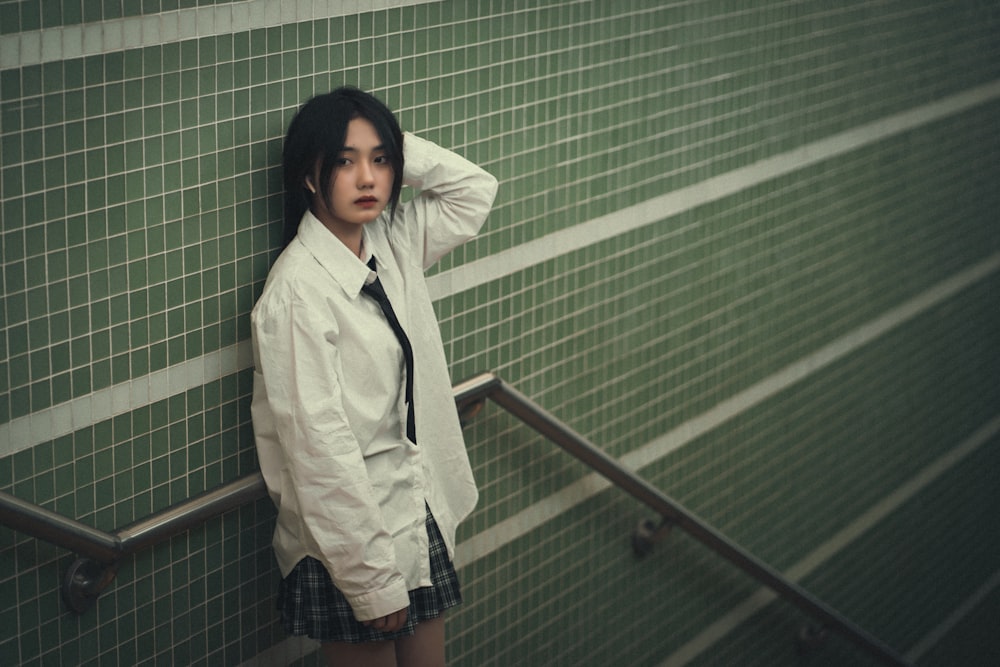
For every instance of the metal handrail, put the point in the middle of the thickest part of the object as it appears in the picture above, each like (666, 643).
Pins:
(100, 552)
(674, 514)
(91, 574)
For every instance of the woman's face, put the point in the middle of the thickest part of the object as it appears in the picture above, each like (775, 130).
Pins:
(360, 184)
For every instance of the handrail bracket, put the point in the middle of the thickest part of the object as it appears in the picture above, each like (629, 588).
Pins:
(648, 534)
(84, 582)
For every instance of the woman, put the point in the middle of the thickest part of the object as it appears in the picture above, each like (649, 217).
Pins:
(354, 419)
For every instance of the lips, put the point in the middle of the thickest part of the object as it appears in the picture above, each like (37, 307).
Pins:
(366, 202)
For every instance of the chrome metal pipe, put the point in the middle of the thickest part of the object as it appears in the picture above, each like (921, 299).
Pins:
(192, 512)
(57, 529)
(475, 388)
(89, 576)
(100, 552)
(575, 444)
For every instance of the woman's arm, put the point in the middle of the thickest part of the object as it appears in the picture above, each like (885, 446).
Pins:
(454, 201)
(339, 518)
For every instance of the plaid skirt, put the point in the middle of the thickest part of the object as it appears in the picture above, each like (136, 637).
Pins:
(311, 605)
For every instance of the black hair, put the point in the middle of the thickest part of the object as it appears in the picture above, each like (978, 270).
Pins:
(316, 136)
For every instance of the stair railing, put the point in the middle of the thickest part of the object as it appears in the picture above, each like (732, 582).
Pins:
(100, 553)
(673, 514)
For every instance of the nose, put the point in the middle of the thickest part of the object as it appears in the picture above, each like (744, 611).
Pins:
(366, 174)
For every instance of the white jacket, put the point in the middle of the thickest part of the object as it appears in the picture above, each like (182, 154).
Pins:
(328, 406)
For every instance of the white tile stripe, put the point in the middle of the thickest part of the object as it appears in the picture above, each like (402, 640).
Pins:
(607, 227)
(545, 510)
(65, 418)
(283, 653)
(751, 605)
(36, 47)
(931, 640)
(44, 425)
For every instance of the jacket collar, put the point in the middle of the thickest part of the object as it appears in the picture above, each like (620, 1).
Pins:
(349, 271)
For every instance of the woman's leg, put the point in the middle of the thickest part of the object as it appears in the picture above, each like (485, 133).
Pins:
(425, 648)
(371, 654)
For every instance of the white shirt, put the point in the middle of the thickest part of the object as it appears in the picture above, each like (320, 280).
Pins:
(328, 405)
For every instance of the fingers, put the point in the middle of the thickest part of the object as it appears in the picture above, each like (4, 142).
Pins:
(396, 621)
(391, 623)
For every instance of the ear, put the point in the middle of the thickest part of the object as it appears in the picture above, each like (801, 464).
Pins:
(309, 185)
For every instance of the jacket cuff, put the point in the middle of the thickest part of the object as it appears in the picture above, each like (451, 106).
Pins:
(376, 604)
(417, 162)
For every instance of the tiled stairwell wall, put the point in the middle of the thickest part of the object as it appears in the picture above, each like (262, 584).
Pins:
(751, 249)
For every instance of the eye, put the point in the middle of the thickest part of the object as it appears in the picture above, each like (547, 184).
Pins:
(381, 159)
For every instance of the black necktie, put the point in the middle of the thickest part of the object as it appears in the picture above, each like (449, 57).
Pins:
(375, 291)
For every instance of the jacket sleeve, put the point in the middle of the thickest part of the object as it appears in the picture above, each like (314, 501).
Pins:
(455, 198)
(340, 521)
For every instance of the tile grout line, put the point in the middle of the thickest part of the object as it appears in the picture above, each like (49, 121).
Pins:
(56, 421)
(840, 540)
(37, 47)
(607, 227)
(538, 514)
(512, 528)
(957, 615)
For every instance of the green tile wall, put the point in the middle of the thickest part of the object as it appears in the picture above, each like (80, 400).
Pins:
(139, 207)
